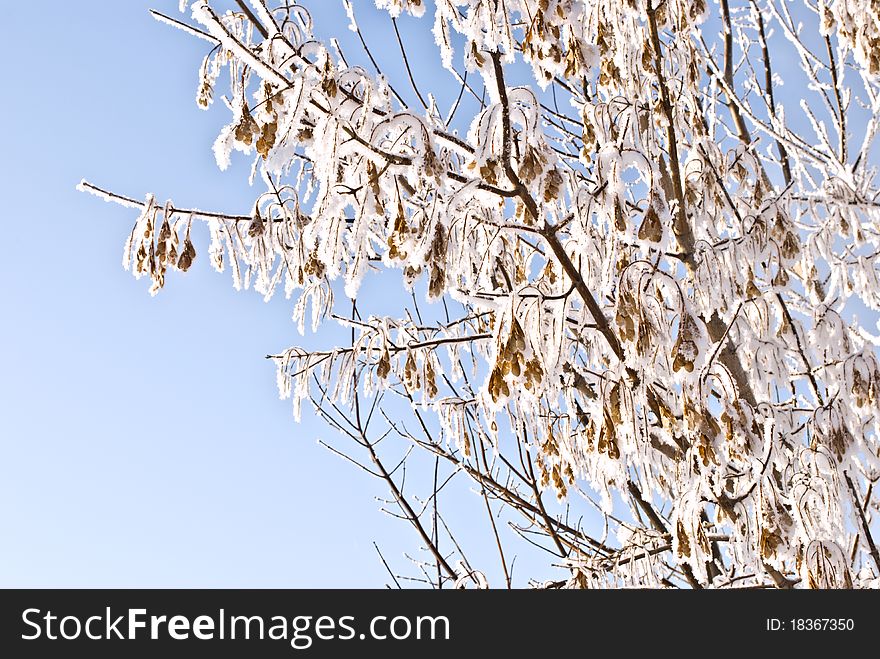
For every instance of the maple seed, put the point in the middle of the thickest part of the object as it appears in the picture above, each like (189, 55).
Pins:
(384, 367)
(257, 226)
(684, 545)
(651, 228)
(267, 138)
(187, 256)
(247, 128)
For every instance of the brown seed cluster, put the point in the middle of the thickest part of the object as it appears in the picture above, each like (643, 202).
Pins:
(411, 378)
(633, 325)
(489, 171)
(864, 376)
(384, 366)
(545, 42)
(704, 430)
(685, 351)
(328, 79)
(552, 468)
(156, 253)
(684, 539)
(552, 185)
(187, 255)
(783, 232)
(651, 228)
(257, 226)
(684, 544)
(862, 32)
(430, 379)
(511, 361)
(207, 77)
(608, 439)
(437, 259)
(433, 166)
(532, 164)
(736, 431)
(166, 245)
(314, 266)
(627, 315)
(829, 430)
(398, 235)
(776, 524)
(609, 72)
(248, 130)
(612, 417)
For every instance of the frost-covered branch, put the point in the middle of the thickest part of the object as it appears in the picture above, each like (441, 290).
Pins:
(637, 295)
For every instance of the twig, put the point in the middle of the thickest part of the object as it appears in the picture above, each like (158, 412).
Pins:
(409, 72)
(385, 563)
(866, 529)
(660, 525)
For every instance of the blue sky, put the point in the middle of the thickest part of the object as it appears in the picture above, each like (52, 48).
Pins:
(142, 442)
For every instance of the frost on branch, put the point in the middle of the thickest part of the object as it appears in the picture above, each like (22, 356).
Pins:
(642, 284)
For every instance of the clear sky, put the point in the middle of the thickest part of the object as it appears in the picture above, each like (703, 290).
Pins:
(142, 442)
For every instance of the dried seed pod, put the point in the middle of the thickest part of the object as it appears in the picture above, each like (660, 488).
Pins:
(266, 141)
(829, 429)
(430, 378)
(257, 226)
(651, 229)
(384, 366)
(776, 524)
(824, 566)
(619, 217)
(685, 351)
(246, 129)
(552, 185)
(314, 266)
(411, 378)
(187, 256)
(607, 438)
(398, 234)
